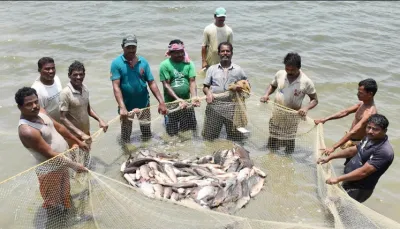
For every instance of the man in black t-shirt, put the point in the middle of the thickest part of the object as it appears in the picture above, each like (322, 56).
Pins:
(369, 160)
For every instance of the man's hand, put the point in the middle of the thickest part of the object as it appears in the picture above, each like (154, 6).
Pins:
(209, 97)
(162, 109)
(103, 125)
(204, 64)
(332, 181)
(328, 151)
(84, 146)
(237, 88)
(318, 121)
(123, 113)
(264, 99)
(183, 104)
(323, 160)
(85, 137)
(79, 168)
(196, 102)
(302, 112)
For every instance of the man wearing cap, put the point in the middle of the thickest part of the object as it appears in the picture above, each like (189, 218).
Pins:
(178, 76)
(130, 75)
(213, 35)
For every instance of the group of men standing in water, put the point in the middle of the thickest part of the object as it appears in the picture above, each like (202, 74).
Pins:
(55, 119)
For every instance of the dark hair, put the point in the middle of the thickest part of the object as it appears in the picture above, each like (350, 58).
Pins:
(379, 120)
(44, 60)
(176, 41)
(369, 85)
(22, 93)
(292, 59)
(76, 66)
(227, 44)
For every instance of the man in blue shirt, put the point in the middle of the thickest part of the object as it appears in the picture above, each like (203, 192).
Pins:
(369, 160)
(130, 75)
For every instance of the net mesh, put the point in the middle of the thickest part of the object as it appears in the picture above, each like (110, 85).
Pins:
(284, 145)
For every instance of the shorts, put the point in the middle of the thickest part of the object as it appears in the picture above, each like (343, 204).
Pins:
(358, 194)
(54, 188)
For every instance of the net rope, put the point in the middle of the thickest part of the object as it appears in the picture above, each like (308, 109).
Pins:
(52, 195)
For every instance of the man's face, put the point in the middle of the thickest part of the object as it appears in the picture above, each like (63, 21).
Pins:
(76, 78)
(177, 55)
(362, 94)
(292, 71)
(31, 106)
(225, 53)
(48, 71)
(130, 51)
(374, 131)
(219, 20)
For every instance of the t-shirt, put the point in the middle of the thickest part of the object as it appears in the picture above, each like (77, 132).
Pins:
(219, 80)
(76, 105)
(212, 37)
(179, 75)
(133, 81)
(378, 154)
(48, 96)
(292, 95)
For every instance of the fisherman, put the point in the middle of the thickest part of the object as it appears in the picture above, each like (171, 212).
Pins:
(219, 79)
(178, 76)
(48, 87)
(130, 75)
(213, 35)
(45, 138)
(363, 110)
(369, 160)
(292, 86)
(75, 107)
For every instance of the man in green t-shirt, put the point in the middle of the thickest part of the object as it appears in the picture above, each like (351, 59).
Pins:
(178, 76)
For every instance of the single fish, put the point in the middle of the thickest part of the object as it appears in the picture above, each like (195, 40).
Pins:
(219, 198)
(241, 202)
(123, 167)
(259, 172)
(181, 165)
(137, 174)
(205, 159)
(207, 191)
(175, 196)
(153, 165)
(170, 172)
(163, 177)
(229, 161)
(151, 173)
(142, 161)
(255, 184)
(131, 169)
(147, 189)
(234, 166)
(217, 156)
(202, 172)
(158, 190)
(144, 171)
(129, 179)
(167, 192)
(243, 174)
(188, 178)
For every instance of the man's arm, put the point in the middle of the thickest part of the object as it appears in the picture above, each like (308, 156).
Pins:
(31, 138)
(64, 120)
(346, 153)
(339, 114)
(193, 92)
(68, 136)
(154, 89)
(313, 102)
(118, 97)
(355, 175)
(271, 89)
(204, 57)
(170, 91)
(356, 128)
(93, 114)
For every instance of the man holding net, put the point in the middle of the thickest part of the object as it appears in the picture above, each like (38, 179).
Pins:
(130, 75)
(363, 110)
(292, 85)
(369, 160)
(219, 83)
(178, 76)
(45, 138)
(75, 108)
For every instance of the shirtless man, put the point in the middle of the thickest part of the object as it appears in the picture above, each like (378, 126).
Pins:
(364, 109)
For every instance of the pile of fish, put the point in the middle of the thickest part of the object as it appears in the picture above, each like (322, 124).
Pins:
(224, 181)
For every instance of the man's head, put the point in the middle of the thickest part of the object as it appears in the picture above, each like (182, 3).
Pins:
(47, 70)
(225, 51)
(377, 126)
(129, 45)
(292, 62)
(176, 50)
(76, 74)
(367, 89)
(219, 16)
(27, 101)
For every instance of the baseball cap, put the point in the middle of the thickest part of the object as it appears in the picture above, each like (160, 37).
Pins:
(129, 40)
(220, 12)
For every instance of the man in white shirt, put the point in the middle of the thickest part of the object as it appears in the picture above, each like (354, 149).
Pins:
(48, 87)
(292, 85)
(213, 35)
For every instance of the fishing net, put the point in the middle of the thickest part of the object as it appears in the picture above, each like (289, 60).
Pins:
(281, 143)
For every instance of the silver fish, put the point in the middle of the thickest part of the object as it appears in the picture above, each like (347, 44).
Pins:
(163, 177)
(144, 172)
(234, 166)
(158, 190)
(202, 172)
(147, 189)
(123, 167)
(206, 192)
(241, 202)
(137, 175)
(175, 196)
(259, 172)
(170, 172)
(167, 192)
(219, 198)
(255, 184)
(153, 165)
(129, 179)
(243, 174)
